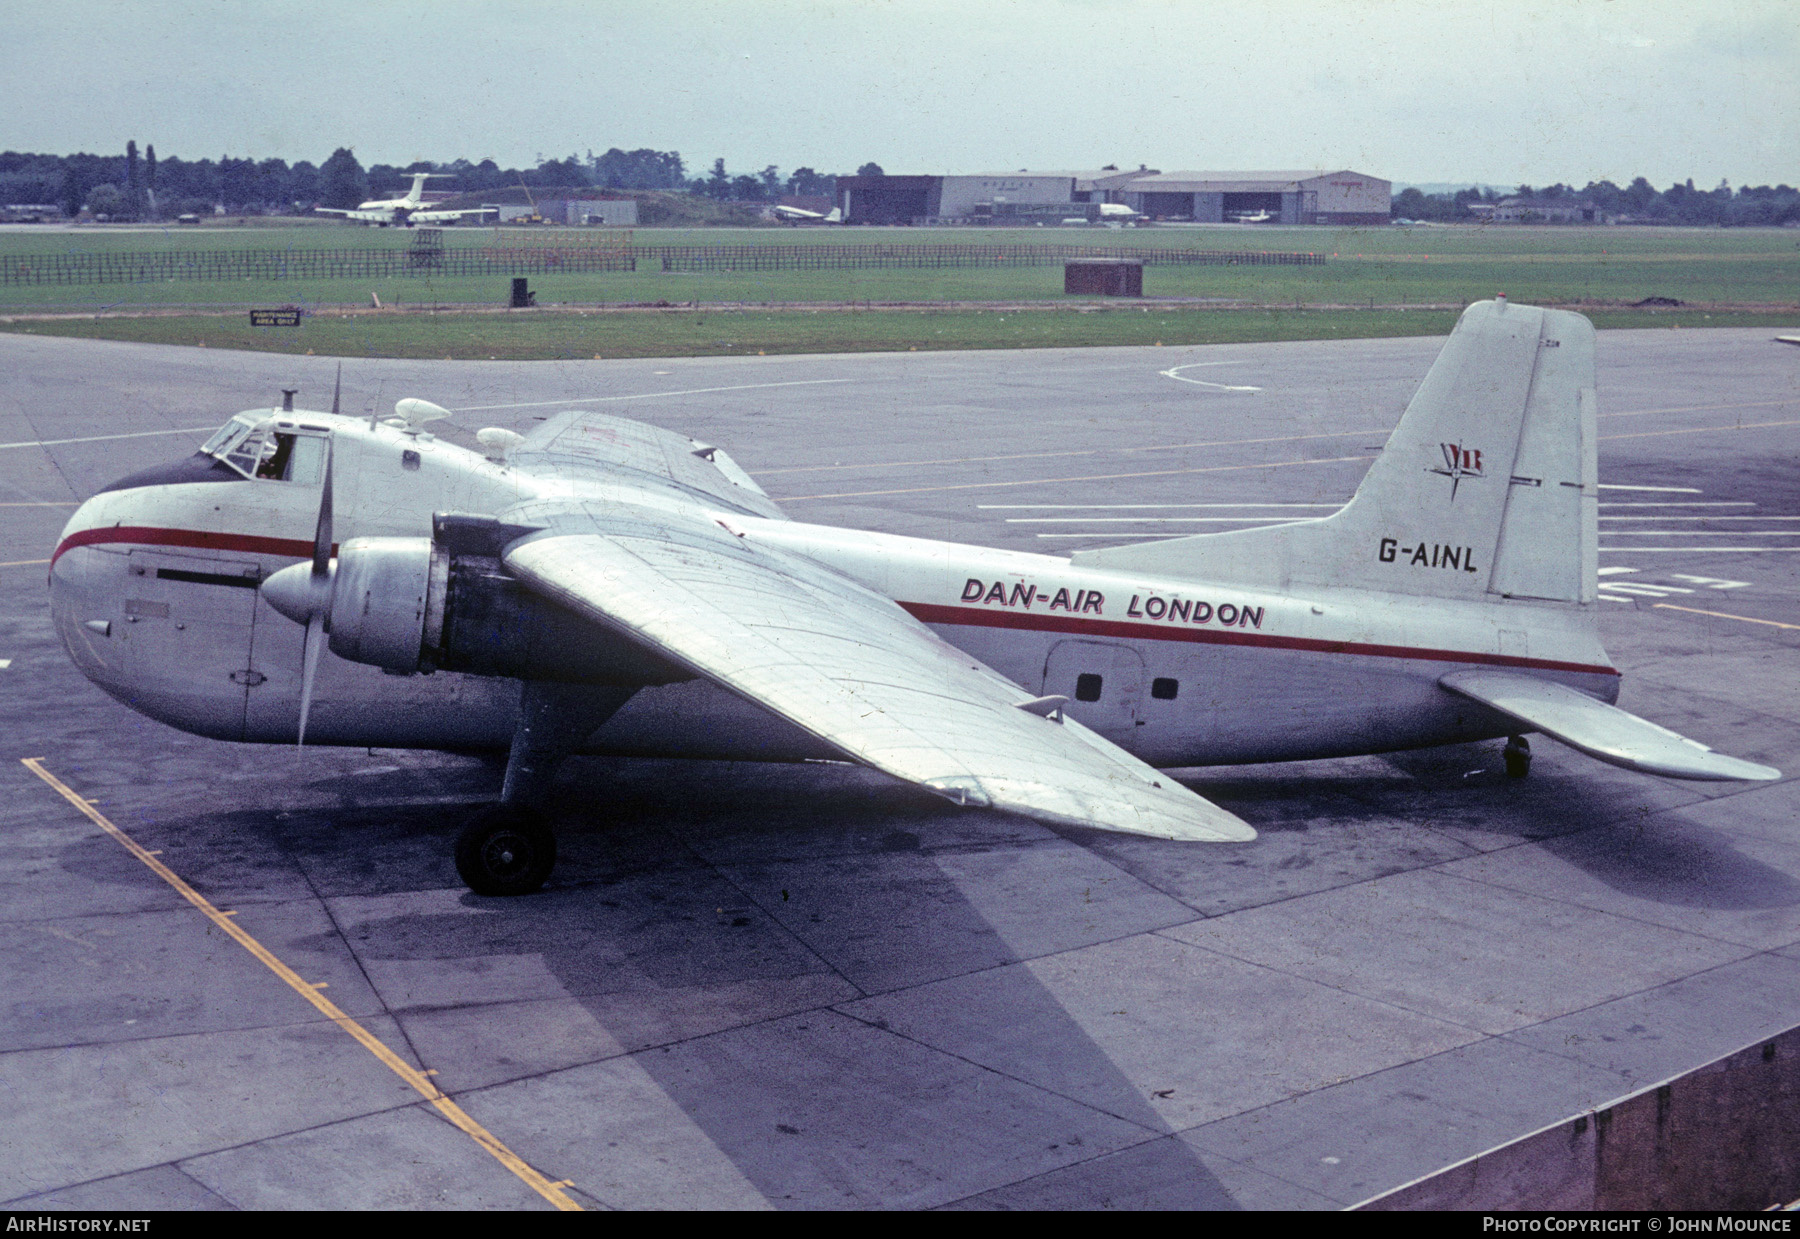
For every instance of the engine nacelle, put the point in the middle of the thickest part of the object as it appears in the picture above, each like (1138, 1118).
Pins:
(380, 591)
(412, 604)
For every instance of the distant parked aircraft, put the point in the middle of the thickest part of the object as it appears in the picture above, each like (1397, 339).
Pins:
(404, 211)
(1252, 217)
(800, 215)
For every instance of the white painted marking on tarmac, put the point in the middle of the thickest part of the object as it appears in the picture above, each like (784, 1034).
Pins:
(5, 663)
(141, 434)
(1748, 619)
(1700, 430)
(1077, 507)
(573, 403)
(1182, 378)
(1643, 589)
(1672, 490)
(1153, 520)
(1148, 534)
(1710, 582)
(1611, 571)
(1097, 451)
(1092, 477)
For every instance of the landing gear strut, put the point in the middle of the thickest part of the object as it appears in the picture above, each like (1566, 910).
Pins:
(509, 848)
(1517, 755)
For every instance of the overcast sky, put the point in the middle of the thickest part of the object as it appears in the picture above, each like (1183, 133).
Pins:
(1502, 91)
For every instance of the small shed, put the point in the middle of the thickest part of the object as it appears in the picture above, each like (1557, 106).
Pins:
(1104, 277)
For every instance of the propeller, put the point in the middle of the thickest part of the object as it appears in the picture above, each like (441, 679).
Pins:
(337, 388)
(302, 592)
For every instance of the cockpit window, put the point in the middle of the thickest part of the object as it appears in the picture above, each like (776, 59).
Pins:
(246, 454)
(268, 450)
(225, 436)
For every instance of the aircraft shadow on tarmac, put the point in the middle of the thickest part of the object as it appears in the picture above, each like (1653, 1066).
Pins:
(779, 950)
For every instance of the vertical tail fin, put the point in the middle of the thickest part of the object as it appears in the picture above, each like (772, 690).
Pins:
(1487, 487)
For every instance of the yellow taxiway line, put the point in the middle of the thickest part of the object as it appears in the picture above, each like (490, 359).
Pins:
(549, 1190)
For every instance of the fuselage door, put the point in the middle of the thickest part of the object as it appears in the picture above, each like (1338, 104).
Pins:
(1104, 682)
(186, 634)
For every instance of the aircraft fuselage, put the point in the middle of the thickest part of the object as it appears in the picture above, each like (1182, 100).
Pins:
(153, 591)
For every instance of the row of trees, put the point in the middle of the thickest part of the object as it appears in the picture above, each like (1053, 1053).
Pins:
(1639, 202)
(128, 186)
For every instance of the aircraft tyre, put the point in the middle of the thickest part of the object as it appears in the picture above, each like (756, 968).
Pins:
(1517, 756)
(505, 850)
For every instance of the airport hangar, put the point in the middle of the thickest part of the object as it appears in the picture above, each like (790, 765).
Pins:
(1313, 196)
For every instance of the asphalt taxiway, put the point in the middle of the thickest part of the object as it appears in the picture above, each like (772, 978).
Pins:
(765, 986)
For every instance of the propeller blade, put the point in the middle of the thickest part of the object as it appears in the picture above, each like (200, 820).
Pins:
(309, 666)
(337, 387)
(321, 558)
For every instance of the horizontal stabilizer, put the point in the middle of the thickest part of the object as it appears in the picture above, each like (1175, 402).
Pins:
(1599, 730)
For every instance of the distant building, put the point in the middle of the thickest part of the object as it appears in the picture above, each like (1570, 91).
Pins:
(1287, 197)
(604, 212)
(610, 213)
(1547, 211)
(1025, 196)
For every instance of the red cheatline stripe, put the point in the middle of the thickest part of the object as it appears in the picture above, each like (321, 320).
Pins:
(931, 613)
(197, 539)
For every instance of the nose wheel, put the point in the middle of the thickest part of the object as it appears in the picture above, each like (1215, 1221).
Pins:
(1517, 756)
(505, 850)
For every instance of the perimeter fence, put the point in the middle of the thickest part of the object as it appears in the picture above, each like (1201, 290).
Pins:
(333, 264)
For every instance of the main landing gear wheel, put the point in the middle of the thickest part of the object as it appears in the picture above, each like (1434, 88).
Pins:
(1517, 756)
(505, 850)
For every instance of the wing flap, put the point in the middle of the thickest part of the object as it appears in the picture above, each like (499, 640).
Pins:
(1599, 730)
(854, 669)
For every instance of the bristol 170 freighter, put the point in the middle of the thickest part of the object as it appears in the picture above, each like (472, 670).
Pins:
(604, 586)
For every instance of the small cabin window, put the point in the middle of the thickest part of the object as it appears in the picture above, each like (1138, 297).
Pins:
(1087, 687)
(1164, 689)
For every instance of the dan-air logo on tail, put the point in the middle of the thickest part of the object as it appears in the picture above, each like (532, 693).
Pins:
(1459, 462)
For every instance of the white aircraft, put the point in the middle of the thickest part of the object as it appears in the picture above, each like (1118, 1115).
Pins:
(1118, 212)
(606, 586)
(800, 215)
(406, 210)
(1252, 217)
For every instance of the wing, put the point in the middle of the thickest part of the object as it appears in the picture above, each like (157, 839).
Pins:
(1597, 729)
(593, 445)
(850, 667)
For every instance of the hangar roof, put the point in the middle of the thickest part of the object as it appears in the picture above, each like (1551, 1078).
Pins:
(1258, 182)
(1084, 178)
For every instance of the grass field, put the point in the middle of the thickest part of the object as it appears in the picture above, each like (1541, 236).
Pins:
(1379, 270)
(552, 334)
